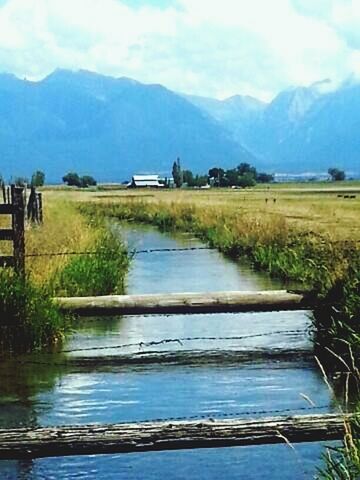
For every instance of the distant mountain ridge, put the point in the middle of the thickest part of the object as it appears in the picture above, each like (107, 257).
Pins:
(112, 128)
(107, 127)
(302, 129)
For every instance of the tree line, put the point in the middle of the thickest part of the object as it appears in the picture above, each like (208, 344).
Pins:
(244, 175)
(38, 180)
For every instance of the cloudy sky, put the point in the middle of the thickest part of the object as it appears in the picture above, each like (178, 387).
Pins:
(207, 47)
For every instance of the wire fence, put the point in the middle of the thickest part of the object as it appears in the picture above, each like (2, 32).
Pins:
(131, 253)
(181, 340)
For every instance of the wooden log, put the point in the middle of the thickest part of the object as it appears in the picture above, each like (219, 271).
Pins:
(169, 303)
(32, 206)
(174, 435)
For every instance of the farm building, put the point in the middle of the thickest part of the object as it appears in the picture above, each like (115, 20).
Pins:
(142, 181)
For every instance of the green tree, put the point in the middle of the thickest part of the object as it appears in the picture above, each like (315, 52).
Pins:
(246, 180)
(232, 177)
(38, 179)
(218, 174)
(200, 181)
(336, 174)
(264, 177)
(246, 168)
(177, 173)
(87, 181)
(72, 179)
(188, 177)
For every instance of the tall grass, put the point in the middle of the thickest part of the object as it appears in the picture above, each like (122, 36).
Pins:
(99, 273)
(29, 319)
(329, 268)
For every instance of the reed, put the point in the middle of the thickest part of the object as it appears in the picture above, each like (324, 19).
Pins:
(28, 318)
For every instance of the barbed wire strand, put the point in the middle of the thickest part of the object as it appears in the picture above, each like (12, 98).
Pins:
(132, 252)
(186, 339)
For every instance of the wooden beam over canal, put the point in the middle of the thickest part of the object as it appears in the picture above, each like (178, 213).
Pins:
(171, 303)
(176, 435)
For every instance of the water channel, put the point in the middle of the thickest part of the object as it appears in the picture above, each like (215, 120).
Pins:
(39, 392)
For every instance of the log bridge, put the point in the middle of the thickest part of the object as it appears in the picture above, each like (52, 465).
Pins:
(172, 303)
(177, 435)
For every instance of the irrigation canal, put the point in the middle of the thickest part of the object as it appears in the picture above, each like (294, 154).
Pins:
(42, 391)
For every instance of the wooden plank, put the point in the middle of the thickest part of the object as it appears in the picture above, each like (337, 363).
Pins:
(18, 224)
(6, 209)
(174, 435)
(6, 234)
(169, 303)
(7, 261)
(40, 207)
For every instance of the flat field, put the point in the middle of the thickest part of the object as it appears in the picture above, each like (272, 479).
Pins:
(326, 208)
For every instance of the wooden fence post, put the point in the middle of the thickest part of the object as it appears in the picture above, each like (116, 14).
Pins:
(18, 219)
(40, 208)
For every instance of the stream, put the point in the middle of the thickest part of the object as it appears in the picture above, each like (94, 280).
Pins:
(39, 392)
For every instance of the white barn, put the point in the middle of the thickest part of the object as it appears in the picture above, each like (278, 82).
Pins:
(143, 181)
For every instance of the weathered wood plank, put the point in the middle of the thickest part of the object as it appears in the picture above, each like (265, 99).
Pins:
(7, 261)
(168, 303)
(6, 209)
(18, 224)
(156, 436)
(6, 234)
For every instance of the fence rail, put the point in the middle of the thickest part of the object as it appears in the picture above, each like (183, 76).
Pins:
(14, 205)
(159, 436)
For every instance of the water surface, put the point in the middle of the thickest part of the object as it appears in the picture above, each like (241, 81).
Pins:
(44, 393)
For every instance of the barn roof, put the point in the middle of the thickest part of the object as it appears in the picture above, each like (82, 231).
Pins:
(146, 178)
(146, 181)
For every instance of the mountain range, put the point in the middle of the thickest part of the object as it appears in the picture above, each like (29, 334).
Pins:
(301, 129)
(109, 128)
(112, 128)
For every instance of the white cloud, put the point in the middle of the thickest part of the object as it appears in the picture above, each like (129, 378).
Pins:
(209, 47)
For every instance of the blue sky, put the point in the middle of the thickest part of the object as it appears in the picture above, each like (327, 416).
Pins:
(213, 48)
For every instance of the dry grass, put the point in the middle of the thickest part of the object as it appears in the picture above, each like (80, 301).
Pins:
(312, 209)
(64, 230)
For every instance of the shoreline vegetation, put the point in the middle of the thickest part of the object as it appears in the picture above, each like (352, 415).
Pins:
(29, 319)
(327, 267)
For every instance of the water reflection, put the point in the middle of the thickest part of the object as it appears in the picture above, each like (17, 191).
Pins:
(44, 390)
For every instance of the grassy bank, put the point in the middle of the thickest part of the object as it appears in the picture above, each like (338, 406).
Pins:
(325, 265)
(29, 320)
